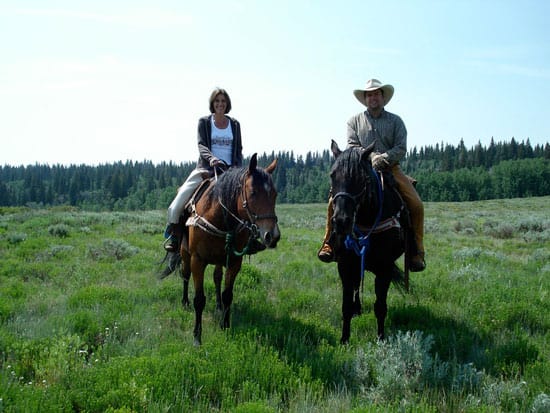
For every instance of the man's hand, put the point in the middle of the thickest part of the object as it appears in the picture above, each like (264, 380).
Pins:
(215, 162)
(380, 161)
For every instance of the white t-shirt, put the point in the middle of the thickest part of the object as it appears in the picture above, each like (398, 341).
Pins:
(222, 142)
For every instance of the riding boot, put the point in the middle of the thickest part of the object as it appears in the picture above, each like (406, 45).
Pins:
(326, 253)
(417, 262)
(406, 187)
(173, 239)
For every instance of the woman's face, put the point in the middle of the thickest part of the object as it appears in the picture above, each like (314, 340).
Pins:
(220, 104)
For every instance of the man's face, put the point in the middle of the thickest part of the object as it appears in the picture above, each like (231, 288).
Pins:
(375, 99)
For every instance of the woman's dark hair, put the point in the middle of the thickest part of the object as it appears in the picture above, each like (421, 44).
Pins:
(217, 92)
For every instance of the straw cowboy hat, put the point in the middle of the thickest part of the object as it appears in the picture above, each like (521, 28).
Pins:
(374, 84)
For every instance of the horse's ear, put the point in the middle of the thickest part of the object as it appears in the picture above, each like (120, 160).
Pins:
(271, 166)
(335, 149)
(253, 163)
(365, 155)
(370, 148)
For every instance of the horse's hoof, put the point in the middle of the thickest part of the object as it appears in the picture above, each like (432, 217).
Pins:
(197, 342)
(417, 264)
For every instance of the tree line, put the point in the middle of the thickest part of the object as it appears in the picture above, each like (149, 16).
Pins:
(444, 173)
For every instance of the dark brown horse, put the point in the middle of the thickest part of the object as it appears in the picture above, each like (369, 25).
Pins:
(234, 216)
(368, 231)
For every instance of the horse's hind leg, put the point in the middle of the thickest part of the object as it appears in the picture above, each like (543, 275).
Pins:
(186, 276)
(218, 275)
(381, 286)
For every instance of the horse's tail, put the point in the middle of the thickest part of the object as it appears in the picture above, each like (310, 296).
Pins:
(169, 263)
(398, 279)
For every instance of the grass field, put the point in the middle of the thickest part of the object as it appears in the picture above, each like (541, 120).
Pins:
(85, 325)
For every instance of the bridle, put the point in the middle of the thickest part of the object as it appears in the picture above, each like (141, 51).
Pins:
(356, 199)
(251, 214)
(357, 241)
(249, 224)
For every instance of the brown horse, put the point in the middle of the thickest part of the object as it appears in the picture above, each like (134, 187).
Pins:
(369, 231)
(234, 216)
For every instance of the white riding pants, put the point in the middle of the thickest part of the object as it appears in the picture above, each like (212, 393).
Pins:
(184, 195)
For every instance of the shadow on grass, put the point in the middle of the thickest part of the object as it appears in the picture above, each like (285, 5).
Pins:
(304, 343)
(298, 342)
(455, 341)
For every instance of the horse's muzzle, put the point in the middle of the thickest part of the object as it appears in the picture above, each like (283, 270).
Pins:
(342, 224)
(271, 238)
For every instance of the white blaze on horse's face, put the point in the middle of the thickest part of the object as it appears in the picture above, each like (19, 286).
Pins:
(267, 222)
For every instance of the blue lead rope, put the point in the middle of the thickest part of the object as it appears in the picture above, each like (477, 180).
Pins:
(358, 241)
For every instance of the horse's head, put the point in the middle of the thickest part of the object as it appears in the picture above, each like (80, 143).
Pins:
(258, 201)
(350, 180)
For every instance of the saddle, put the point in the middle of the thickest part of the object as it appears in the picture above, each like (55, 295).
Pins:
(189, 209)
(186, 219)
(402, 218)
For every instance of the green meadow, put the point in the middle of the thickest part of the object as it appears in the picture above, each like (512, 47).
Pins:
(87, 326)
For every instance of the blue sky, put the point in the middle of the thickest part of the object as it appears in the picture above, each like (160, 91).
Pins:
(96, 82)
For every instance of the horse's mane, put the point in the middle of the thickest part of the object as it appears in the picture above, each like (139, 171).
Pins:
(229, 185)
(349, 162)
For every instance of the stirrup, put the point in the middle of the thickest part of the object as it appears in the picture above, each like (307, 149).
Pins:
(171, 244)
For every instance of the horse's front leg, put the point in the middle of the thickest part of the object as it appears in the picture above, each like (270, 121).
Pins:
(199, 302)
(347, 313)
(218, 275)
(381, 285)
(227, 295)
(349, 269)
